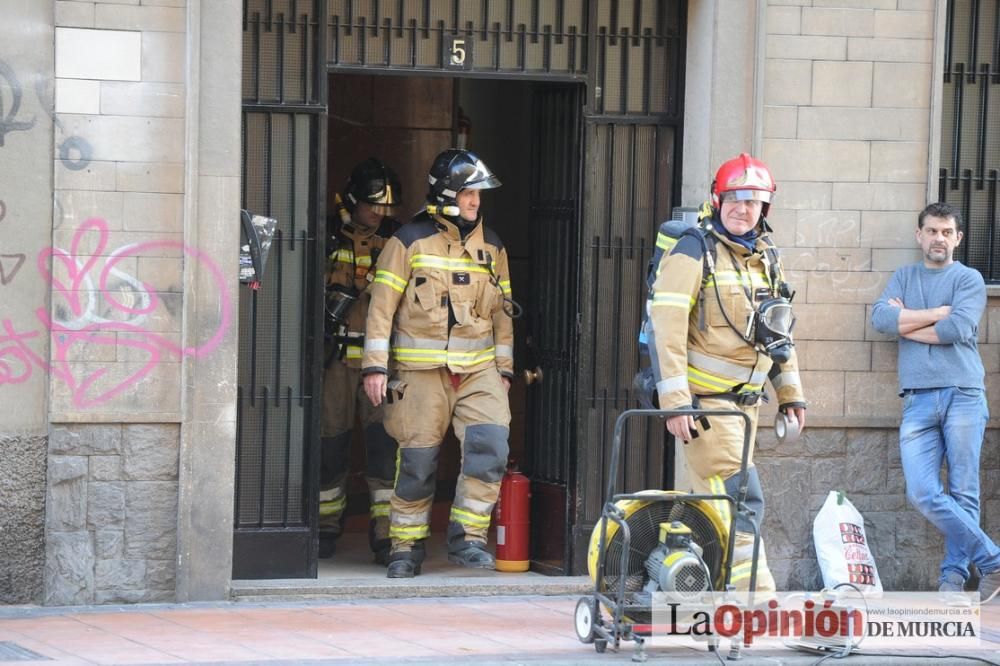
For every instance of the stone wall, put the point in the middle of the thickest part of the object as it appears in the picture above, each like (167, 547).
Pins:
(850, 129)
(111, 523)
(22, 498)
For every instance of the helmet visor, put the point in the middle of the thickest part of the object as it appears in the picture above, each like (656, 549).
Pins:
(778, 317)
(746, 195)
(383, 209)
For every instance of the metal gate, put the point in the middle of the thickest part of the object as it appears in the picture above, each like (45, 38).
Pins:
(284, 107)
(633, 135)
(970, 129)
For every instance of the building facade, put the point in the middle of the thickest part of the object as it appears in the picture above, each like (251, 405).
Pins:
(160, 432)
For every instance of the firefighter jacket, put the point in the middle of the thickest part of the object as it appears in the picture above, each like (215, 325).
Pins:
(694, 349)
(437, 301)
(352, 255)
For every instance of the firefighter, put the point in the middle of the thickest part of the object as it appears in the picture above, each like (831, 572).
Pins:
(719, 325)
(441, 311)
(357, 235)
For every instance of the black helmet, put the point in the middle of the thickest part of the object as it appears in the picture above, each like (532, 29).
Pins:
(373, 183)
(455, 170)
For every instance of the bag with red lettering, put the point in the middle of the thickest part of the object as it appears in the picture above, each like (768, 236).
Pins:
(842, 547)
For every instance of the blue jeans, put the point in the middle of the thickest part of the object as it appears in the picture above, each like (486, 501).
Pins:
(948, 423)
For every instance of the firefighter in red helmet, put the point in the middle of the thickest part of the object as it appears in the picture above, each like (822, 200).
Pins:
(719, 326)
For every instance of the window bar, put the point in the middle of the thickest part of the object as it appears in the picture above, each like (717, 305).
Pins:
(657, 216)
(253, 341)
(496, 46)
(647, 66)
(484, 31)
(996, 43)
(240, 444)
(377, 18)
(560, 15)
(974, 42)
(623, 84)
(602, 63)
(984, 122)
(335, 29)
(246, 15)
(281, 58)
(942, 184)
(991, 220)
(510, 20)
(948, 41)
(387, 42)
(426, 19)
(363, 40)
(660, 21)
(522, 48)
(294, 162)
(288, 455)
(616, 314)
(609, 160)
(594, 316)
(349, 17)
(957, 129)
(455, 20)
(270, 15)
(307, 89)
(269, 165)
(613, 22)
(413, 43)
(262, 482)
(547, 49)
(571, 54)
(280, 290)
(440, 30)
(967, 210)
(304, 287)
(636, 21)
(244, 166)
(632, 158)
(256, 54)
(294, 13)
(534, 21)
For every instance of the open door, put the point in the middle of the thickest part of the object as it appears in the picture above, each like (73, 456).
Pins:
(280, 325)
(551, 335)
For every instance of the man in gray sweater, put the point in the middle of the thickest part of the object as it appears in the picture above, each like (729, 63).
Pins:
(934, 307)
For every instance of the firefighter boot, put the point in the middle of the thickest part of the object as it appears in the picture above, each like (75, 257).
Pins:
(405, 563)
(471, 554)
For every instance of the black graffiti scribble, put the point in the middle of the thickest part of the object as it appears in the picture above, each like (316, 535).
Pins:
(3, 209)
(6, 273)
(7, 122)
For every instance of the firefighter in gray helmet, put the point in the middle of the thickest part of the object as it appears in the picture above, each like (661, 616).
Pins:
(357, 234)
(439, 311)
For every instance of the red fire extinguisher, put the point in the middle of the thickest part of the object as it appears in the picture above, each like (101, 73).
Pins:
(513, 518)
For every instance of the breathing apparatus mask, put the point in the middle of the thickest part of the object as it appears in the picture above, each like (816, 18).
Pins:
(772, 324)
(339, 301)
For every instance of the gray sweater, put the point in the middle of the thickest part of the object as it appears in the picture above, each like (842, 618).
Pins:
(954, 362)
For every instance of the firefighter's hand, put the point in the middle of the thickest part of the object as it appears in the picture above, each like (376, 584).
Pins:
(375, 385)
(506, 382)
(799, 414)
(681, 427)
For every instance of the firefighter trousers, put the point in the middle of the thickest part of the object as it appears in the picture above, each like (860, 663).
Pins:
(344, 399)
(713, 461)
(479, 411)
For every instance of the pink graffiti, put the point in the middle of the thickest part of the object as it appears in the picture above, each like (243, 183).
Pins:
(17, 359)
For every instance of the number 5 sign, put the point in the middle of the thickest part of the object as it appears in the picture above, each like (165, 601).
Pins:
(457, 52)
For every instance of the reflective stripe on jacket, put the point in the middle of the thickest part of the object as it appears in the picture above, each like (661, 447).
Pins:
(438, 301)
(351, 264)
(694, 349)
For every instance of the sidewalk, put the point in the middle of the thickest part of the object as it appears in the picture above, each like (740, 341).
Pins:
(480, 630)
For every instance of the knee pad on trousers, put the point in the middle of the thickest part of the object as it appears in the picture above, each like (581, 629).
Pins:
(335, 456)
(485, 456)
(380, 452)
(417, 468)
(754, 499)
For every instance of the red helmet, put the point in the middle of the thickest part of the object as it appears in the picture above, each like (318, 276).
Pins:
(743, 178)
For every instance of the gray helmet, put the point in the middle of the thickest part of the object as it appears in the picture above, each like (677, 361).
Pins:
(455, 170)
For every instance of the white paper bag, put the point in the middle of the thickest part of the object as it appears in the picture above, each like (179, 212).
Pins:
(842, 547)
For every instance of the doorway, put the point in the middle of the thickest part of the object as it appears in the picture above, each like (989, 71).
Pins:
(529, 133)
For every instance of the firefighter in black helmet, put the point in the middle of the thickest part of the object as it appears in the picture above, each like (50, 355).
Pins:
(356, 236)
(439, 311)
